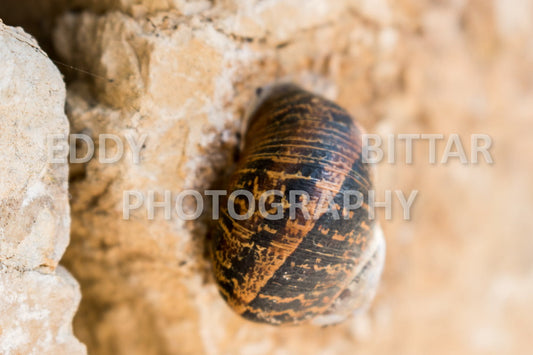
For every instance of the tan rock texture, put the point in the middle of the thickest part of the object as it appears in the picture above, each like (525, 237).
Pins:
(34, 227)
(458, 275)
(38, 299)
(36, 313)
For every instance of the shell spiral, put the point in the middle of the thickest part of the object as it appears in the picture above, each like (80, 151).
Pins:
(319, 266)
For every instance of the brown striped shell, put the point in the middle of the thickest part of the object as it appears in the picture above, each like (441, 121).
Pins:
(318, 269)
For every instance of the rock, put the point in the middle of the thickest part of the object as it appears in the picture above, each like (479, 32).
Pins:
(34, 209)
(38, 297)
(182, 72)
(36, 313)
(184, 83)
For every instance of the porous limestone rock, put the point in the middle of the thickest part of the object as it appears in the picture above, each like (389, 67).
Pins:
(183, 82)
(38, 299)
(34, 209)
(458, 274)
(36, 313)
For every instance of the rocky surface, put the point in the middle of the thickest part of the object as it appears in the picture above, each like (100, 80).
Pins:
(36, 312)
(458, 275)
(39, 299)
(34, 224)
(185, 82)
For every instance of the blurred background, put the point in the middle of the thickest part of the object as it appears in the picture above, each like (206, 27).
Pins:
(459, 274)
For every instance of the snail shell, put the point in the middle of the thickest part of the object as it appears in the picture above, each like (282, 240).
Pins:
(318, 270)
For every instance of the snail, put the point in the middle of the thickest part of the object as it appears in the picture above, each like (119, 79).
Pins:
(312, 267)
